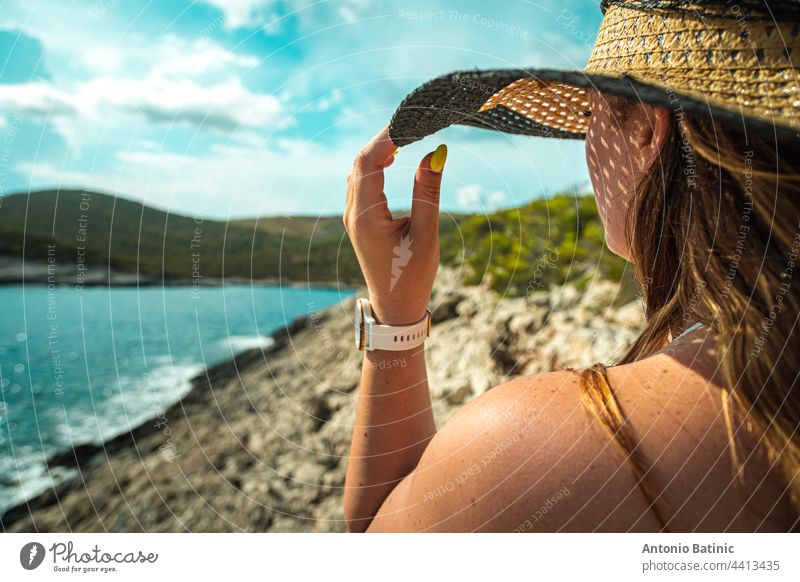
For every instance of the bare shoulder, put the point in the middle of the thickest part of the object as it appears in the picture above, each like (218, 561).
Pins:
(674, 404)
(525, 456)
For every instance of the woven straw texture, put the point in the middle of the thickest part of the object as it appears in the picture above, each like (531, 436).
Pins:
(739, 71)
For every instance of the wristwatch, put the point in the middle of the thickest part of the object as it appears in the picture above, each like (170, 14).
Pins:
(370, 335)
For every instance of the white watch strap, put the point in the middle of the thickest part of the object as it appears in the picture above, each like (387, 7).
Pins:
(393, 337)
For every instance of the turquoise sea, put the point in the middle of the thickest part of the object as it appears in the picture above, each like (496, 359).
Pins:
(80, 366)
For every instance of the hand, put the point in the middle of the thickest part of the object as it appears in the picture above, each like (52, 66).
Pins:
(398, 256)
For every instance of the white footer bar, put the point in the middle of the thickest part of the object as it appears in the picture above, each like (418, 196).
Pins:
(406, 557)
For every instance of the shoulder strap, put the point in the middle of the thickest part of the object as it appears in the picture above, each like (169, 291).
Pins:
(600, 399)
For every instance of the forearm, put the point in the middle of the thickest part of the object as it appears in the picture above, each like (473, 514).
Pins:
(393, 425)
(399, 258)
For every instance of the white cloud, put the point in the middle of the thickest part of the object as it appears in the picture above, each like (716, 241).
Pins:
(107, 60)
(348, 13)
(497, 198)
(153, 159)
(169, 56)
(3, 122)
(309, 13)
(177, 57)
(242, 13)
(194, 82)
(225, 107)
(469, 195)
(37, 99)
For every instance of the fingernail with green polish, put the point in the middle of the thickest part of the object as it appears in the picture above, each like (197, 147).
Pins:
(438, 158)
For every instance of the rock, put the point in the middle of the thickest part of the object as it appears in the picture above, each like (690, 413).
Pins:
(78, 456)
(446, 307)
(528, 320)
(631, 316)
(309, 473)
(564, 297)
(460, 394)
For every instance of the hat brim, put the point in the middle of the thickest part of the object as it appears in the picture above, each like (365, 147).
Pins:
(458, 98)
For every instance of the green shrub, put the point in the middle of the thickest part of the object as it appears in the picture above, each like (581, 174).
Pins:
(546, 242)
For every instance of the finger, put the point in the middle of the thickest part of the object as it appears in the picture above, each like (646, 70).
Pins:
(389, 160)
(351, 180)
(367, 176)
(349, 196)
(427, 188)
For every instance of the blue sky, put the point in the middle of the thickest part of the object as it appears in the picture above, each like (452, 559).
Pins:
(233, 108)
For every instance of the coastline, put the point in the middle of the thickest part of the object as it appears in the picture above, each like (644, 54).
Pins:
(259, 443)
(14, 271)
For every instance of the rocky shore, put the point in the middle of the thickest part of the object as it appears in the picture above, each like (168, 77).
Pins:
(260, 442)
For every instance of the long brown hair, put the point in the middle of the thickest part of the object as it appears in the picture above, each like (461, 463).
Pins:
(714, 235)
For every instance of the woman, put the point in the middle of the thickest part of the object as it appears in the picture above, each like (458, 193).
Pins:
(691, 129)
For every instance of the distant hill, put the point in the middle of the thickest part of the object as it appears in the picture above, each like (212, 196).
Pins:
(515, 251)
(129, 236)
(102, 230)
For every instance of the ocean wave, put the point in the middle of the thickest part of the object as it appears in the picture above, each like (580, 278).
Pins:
(240, 343)
(143, 396)
(25, 476)
(134, 399)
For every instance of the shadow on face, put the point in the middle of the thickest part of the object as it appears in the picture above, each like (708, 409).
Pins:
(622, 141)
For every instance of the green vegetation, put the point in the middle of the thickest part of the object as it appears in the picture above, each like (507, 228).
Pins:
(545, 242)
(515, 251)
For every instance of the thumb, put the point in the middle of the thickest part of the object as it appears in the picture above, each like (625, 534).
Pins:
(427, 187)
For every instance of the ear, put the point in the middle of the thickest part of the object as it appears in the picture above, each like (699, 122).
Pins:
(650, 129)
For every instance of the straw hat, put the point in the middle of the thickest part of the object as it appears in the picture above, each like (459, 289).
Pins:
(733, 61)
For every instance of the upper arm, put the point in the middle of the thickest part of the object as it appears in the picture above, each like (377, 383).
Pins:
(525, 456)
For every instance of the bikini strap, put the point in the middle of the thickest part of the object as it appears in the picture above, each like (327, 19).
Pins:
(601, 400)
(689, 329)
